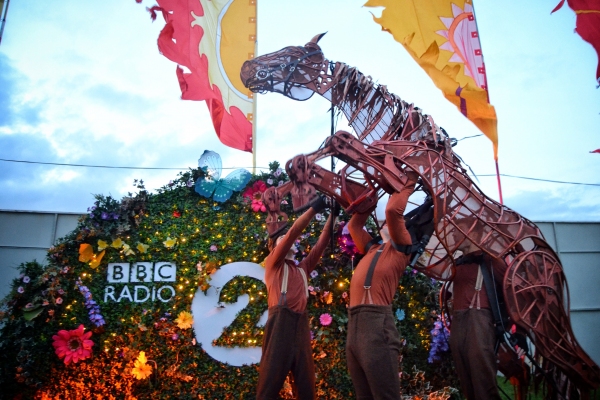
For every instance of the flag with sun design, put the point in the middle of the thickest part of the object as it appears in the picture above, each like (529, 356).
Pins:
(211, 39)
(442, 36)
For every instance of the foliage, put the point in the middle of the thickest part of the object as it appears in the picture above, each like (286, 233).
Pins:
(199, 236)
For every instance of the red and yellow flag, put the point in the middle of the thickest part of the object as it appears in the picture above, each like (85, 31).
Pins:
(442, 36)
(213, 38)
(588, 24)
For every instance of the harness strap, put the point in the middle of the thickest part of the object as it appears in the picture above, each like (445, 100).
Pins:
(477, 289)
(490, 288)
(284, 283)
(369, 277)
(406, 249)
(304, 279)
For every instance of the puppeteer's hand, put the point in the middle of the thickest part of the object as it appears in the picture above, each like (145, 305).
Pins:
(318, 204)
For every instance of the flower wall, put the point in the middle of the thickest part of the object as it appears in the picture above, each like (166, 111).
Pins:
(78, 328)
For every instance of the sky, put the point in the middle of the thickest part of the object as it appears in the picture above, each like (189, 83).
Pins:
(84, 83)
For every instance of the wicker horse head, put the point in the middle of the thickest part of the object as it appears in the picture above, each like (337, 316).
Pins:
(291, 71)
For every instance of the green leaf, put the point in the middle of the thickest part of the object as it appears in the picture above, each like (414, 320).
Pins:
(32, 313)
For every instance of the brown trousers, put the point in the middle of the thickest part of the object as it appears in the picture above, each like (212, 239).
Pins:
(372, 350)
(472, 343)
(286, 347)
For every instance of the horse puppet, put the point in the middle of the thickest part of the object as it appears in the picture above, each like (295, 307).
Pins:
(392, 137)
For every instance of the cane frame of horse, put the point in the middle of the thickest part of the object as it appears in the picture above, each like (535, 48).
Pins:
(392, 138)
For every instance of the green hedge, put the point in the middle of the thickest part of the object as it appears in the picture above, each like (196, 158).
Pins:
(204, 235)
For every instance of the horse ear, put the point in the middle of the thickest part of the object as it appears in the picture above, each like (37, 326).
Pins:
(317, 38)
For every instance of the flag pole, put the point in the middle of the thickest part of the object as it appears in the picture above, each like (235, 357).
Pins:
(254, 99)
(487, 91)
(3, 17)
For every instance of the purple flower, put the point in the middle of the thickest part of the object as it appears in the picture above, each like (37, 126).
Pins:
(104, 215)
(314, 274)
(115, 216)
(20, 289)
(270, 181)
(60, 291)
(440, 336)
(280, 183)
(175, 336)
(26, 279)
(277, 172)
(213, 248)
(190, 183)
(91, 305)
(319, 217)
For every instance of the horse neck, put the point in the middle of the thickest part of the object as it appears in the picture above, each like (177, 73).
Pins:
(372, 111)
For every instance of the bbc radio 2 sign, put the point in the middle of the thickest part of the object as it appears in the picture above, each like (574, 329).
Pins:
(136, 278)
(147, 281)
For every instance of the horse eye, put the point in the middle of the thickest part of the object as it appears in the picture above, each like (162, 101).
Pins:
(262, 74)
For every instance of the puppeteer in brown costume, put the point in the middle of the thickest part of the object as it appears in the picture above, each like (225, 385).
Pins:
(373, 343)
(286, 341)
(473, 335)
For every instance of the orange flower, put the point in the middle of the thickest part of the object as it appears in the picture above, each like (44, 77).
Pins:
(185, 320)
(73, 345)
(141, 370)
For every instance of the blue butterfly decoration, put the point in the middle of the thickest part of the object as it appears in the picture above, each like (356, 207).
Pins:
(212, 184)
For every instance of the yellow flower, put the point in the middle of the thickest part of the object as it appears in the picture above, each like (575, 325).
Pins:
(141, 370)
(102, 245)
(117, 243)
(170, 242)
(142, 248)
(96, 258)
(127, 250)
(184, 320)
(86, 252)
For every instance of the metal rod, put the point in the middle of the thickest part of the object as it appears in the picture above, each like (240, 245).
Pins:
(4, 19)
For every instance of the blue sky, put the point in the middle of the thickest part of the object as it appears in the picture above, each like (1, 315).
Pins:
(84, 83)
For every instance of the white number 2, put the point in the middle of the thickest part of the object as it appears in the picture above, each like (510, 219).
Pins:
(210, 317)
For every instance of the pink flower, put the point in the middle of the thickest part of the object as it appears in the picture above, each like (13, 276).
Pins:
(59, 300)
(254, 194)
(213, 248)
(257, 205)
(73, 345)
(325, 319)
(344, 295)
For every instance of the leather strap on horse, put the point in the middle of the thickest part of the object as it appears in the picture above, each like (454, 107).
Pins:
(369, 277)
